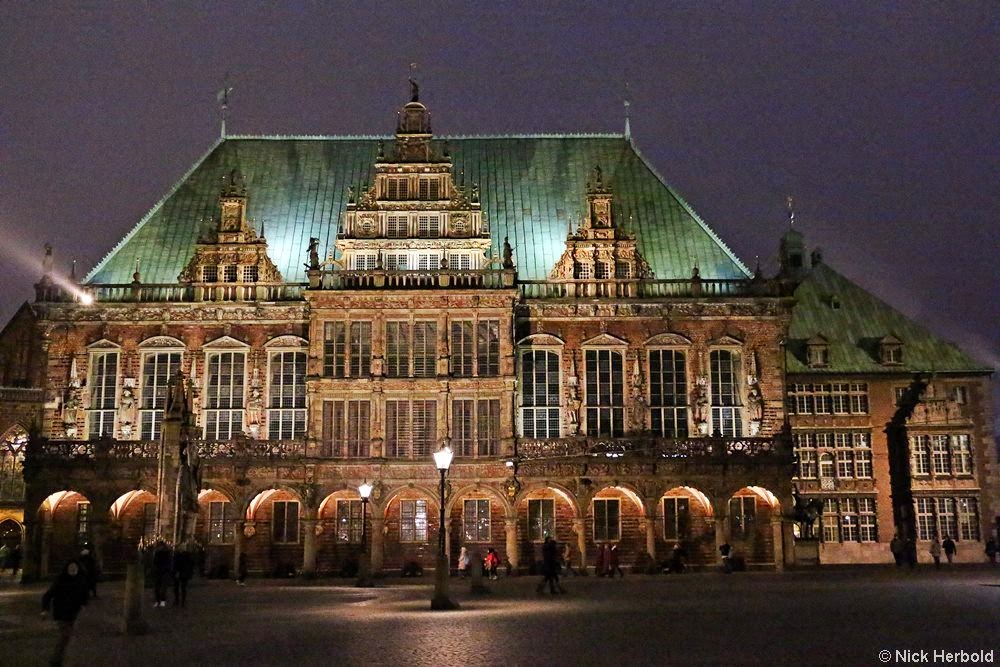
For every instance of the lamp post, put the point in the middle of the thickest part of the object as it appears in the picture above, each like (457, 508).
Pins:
(364, 565)
(440, 601)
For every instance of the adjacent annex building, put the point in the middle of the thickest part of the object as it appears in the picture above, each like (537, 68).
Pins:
(303, 314)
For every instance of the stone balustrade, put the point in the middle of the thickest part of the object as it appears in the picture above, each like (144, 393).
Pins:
(668, 448)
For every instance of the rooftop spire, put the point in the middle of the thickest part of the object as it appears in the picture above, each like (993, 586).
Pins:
(627, 103)
(223, 99)
(791, 211)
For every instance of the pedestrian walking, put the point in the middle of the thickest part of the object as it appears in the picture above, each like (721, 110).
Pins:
(599, 562)
(14, 559)
(726, 551)
(183, 570)
(91, 573)
(67, 595)
(241, 570)
(490, 563)
(936, 553)
(550, 567)
(162, 567)
(949, 548)
(4, 555)
(567, 560)
(991, 550)
(613, 564)
(463, 562)
(896, 547)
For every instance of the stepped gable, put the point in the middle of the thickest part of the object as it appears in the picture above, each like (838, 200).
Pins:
(855, 323)
(533, 190)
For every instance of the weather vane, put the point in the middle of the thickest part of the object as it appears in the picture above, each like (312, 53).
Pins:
(223, 99)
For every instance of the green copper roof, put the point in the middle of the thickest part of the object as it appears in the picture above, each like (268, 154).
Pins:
(853, 322)
(532, 189)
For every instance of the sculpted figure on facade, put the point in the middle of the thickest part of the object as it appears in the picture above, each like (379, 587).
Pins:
(127, 408)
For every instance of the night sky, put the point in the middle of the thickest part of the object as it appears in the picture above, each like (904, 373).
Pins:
(880, 120)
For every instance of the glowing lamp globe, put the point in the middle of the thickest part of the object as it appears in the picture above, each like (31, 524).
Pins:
(442, 458)
(365, 490)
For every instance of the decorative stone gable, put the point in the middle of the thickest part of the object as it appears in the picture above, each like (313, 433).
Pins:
(599, 249)
(415, 216)
(231, 253)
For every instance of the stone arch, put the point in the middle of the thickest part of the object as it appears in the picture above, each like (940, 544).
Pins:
(749, 514)
(274, 533)
(410, 537)
(11, 532)
(686, 517)
(216, 531)
(619, 524)
(559, 489)
(66, 528)
(487, 489)
(561, 519)
(490, 512)
(339, 536)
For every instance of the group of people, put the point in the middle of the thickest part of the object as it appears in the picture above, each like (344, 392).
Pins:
(607, 563)
(905, 553)
(171, 565)
(491, 563)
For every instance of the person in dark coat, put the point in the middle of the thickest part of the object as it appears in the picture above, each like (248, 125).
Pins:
(91, 572)
(991, 551)
(677, 557)
(14, 559)
(162, 567)
(613, 564)
(949, 549)
(599, 564)
(67, 595)
(183, 571)
(550, 567)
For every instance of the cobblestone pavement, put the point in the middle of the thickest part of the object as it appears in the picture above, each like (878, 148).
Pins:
(835, 617)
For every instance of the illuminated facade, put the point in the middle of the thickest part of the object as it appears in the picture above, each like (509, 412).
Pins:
(604, 368)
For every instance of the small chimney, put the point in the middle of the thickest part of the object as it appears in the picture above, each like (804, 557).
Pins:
(816, 258)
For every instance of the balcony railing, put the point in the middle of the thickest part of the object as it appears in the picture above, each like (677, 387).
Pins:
(621, 288)
(667, 448)
(173, 293)
(426, 279)
(124, 450)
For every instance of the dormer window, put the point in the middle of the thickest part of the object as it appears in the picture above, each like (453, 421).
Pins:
(229, 273)
(210, 274)
(583, 271)
(396, 226)
(428, 226)
(891, 351)
(603, 271)
(429, 189)
(397, 188)
(250, 274)
(817, 352)
(623, 270)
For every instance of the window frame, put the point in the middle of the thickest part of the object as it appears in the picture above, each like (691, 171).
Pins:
(679, 410)
(152, 396)
(610, 527)
(537, 525)
(420, 533)
(550, 411)
(604, 401)
(482, 529)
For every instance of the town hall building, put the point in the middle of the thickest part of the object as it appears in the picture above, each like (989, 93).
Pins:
(300, 315)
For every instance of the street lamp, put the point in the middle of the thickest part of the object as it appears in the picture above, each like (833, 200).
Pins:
(442, 460)
(364, 566)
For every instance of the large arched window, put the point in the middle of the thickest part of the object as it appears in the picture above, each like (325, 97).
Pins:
(539, 393)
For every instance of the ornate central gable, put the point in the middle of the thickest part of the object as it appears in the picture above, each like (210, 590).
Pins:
(415, 216)
(231, 252)
(599, 249)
